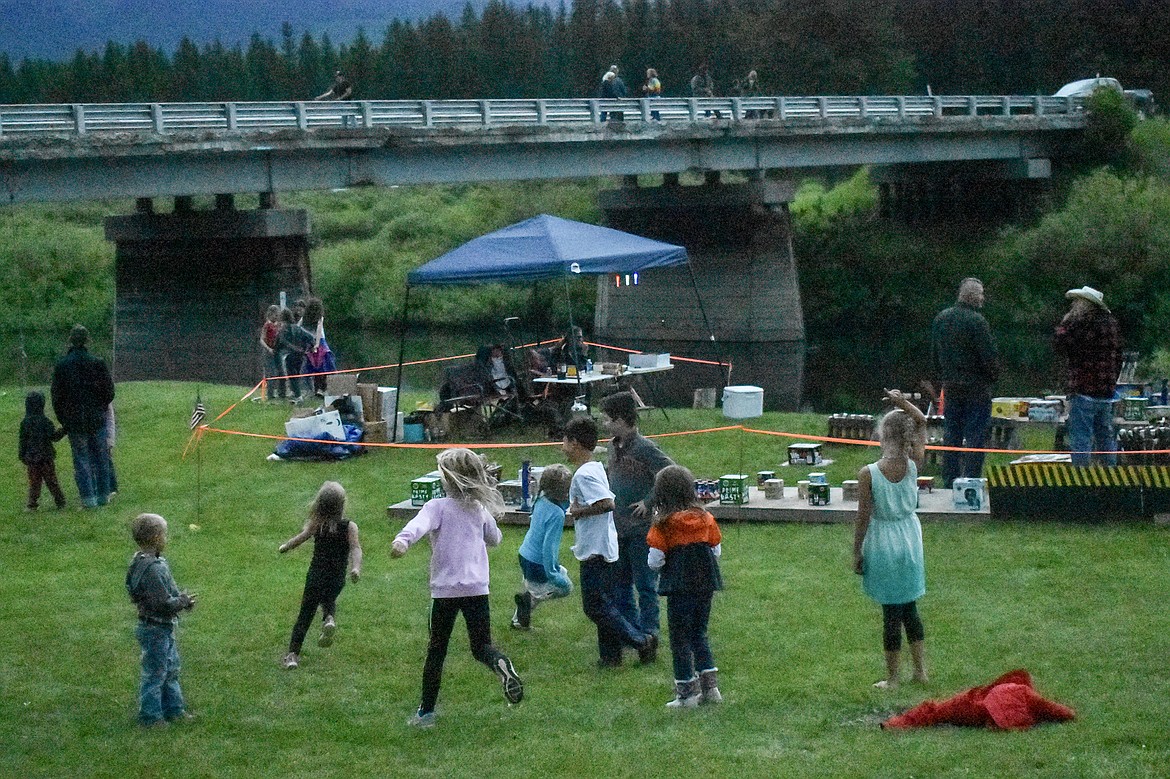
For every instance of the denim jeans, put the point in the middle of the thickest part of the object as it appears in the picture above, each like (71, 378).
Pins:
(1090, 429)
(597, 600)
(965, 424)
(159, 696)
(687, 615)
(91, 467)
(634, 576)
(274, 366)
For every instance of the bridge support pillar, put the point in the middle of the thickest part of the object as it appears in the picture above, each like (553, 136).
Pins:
(739, 238)
(192, 288)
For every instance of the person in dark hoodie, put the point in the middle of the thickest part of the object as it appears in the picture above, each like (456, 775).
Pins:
(37, 434)
(82, 390)
(159, 600)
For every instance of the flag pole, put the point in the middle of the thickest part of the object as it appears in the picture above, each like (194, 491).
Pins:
(198, 463)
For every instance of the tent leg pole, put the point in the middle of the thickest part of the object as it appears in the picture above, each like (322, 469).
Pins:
(724, 364)
(401, 356)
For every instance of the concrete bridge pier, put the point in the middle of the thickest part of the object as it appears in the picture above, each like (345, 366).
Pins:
(192, 287)
(739, 238)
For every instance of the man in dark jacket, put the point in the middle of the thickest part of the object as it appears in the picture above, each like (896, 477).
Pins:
(82, 390)
(633, 462)
(1089, 340)
(965, 362)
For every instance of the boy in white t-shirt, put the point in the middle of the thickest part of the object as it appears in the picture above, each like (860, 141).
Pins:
(596, 547)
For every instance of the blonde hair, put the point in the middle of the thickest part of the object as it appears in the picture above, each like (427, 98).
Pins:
(897, 431)
(554, 483)
(465, 478)
(147, 527)
(328, 507)
(674, 490)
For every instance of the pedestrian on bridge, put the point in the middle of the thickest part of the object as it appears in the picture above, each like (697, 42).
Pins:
(702, 85)
(964, 360)
(612, 88)
(652, 89)
(340, 89)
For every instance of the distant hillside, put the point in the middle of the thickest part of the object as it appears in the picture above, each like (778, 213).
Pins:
(55, 29)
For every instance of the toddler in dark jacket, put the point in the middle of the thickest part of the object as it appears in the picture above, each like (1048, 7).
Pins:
(37, 434)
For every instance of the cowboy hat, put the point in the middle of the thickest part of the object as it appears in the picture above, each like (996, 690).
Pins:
(1089, 294)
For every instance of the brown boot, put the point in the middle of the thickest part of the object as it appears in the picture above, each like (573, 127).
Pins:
(686, 695)
(709, 686)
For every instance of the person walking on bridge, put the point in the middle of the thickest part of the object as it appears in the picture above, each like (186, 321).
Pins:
(964, 360)
(340, 89)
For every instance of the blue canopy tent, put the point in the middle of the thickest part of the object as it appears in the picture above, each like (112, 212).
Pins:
(539, 249)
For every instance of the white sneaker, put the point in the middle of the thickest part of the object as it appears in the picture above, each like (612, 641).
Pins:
(290, 661)
(327, 631)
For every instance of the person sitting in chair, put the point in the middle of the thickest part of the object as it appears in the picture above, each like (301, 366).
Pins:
(502, 379)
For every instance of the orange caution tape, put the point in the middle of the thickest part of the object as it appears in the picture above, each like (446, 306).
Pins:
(673, 357)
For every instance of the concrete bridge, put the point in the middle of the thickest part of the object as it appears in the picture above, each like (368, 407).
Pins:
(739, 236)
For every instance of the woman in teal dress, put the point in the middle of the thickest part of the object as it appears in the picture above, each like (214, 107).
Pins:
(887, 541)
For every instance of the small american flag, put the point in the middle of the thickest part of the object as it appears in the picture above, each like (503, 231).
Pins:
(198, 414)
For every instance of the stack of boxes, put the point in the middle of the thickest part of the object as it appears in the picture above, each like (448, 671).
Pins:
(377, 411)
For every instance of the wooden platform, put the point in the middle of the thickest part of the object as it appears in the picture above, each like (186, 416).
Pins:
(932, 507)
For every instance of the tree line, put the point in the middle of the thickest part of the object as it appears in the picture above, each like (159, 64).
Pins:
(510, 51)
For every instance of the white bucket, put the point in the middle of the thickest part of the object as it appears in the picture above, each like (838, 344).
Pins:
(743, 402)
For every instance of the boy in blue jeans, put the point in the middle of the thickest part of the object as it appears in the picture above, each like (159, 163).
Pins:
(159, 601)
(596, 547)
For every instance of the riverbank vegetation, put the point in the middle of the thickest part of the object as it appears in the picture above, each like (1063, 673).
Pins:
(869, 286)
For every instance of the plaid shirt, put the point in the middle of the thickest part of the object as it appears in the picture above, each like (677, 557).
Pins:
(1092, 346)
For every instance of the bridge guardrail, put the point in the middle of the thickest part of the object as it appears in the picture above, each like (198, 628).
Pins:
(164, 118)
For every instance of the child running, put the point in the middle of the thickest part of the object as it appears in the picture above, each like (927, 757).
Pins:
(887, 541)
(460, 528)
(159, 600)
(685, 543)
(544, 576)
(596, 548)
(335, 548)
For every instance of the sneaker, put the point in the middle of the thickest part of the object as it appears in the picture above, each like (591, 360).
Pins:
(290, 661)
(648, 652)
(420, 720)
(327, 631)
(524, 610)
(513, 686)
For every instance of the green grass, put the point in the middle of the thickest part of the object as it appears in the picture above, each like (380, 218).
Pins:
(1081, 606)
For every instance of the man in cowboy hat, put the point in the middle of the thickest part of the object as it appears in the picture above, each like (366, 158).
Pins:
(1089, 340)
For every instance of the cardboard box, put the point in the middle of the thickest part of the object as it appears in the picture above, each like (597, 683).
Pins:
(969, 494)
(804, 454)
(376, 432)
(649, 360)
(371, 403)
(341, 384)
(425, 488)
(733, 489)
(387, 400)
(314, 426)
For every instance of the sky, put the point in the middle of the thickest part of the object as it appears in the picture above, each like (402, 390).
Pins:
(55, 29)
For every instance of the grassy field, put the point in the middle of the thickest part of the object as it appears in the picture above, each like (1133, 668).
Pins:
(1082, 606)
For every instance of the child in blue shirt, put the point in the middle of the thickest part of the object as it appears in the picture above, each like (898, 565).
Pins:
(544, 576)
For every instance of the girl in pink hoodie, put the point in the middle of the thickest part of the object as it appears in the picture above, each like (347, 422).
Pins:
(460, 528)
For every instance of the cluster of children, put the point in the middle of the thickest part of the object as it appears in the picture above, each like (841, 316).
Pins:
(684, 546)
(296, 355)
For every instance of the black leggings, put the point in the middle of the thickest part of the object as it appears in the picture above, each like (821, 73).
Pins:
(894, 616)
(320, 590)
(479, 633)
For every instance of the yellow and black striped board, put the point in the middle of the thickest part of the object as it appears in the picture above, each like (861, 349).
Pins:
(1062, 491)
